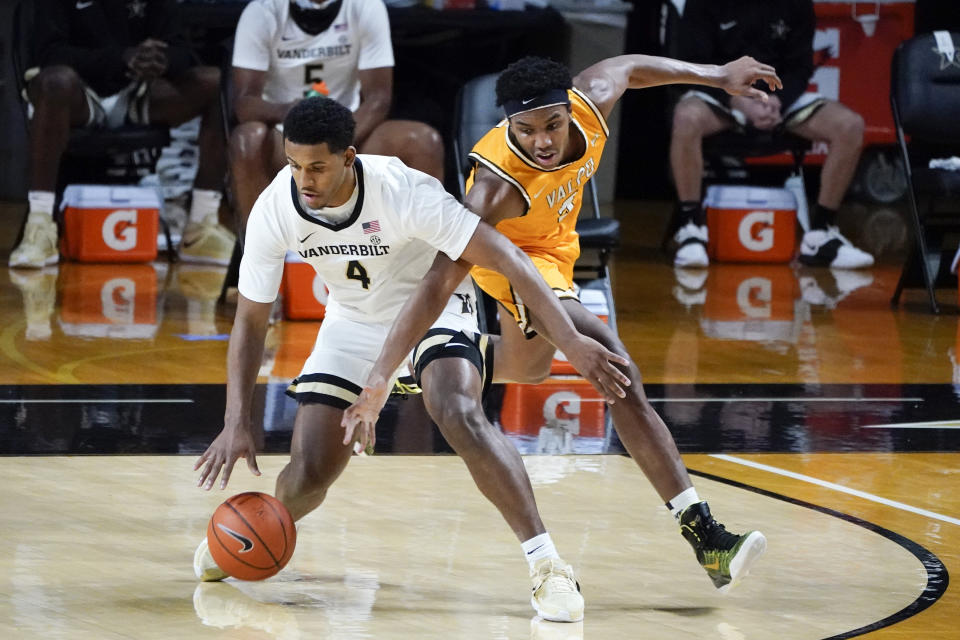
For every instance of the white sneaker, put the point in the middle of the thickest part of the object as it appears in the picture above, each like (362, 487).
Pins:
(556, 594)
(204, 567)
(208, 242)
(830, 249)
(38, 248)
(692, 246)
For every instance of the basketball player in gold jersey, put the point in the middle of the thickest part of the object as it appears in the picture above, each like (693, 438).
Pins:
(528, 179)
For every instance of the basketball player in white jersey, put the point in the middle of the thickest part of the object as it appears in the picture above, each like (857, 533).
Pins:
(286, 50)
(371, 228)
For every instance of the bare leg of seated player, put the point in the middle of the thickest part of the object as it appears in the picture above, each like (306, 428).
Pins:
(256, 155)
(59, 105)
(842, 130)
(196, 92)
(693, 120)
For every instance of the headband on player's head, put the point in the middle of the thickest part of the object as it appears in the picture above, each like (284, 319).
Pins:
(549, 98)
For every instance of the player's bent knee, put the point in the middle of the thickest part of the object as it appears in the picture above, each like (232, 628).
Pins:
(460, 419)
(248, 142)
(852, 128)
(54, 82)
(688, 118)
(426, 139)
(208, 79)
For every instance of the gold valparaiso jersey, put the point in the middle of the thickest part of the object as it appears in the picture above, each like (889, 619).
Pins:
(553, 196)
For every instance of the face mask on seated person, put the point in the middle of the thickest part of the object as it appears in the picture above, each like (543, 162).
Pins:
(314, 17)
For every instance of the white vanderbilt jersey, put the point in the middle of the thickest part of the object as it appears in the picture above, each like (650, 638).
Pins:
(269, 40)
(372, 261)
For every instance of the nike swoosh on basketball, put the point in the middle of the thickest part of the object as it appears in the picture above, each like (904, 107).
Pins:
(304, 238)
(84, 5)
(245, 541)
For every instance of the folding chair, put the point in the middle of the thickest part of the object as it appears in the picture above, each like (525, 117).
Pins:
(925, 98)
(476, 112)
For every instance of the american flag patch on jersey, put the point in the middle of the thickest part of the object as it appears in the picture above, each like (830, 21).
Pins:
(371, 227)
(340, 27)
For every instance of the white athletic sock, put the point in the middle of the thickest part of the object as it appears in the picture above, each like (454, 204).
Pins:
(539, 547)
(683, 500)
(204, 203)
(41, 202)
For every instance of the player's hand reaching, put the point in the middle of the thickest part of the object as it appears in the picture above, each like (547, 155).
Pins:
(228, 447)
(596, 364)
(737, 78)
(360, 418)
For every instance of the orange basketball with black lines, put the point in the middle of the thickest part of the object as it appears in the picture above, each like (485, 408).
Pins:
(251, 536)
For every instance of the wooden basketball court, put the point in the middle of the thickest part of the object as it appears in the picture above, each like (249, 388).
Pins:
(803, 404)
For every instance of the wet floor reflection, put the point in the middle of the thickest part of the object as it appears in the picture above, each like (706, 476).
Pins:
(47, 419)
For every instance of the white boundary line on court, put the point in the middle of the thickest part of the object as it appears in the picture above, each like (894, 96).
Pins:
(935, 424)
(102, 401)
(836, 487)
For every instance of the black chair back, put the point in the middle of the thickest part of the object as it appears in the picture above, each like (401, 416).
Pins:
(476, 112)
(925, 89)
(925, 100)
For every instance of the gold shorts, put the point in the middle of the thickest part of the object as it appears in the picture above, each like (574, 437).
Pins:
(558, 276)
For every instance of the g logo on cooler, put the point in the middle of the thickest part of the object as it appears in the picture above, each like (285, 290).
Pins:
(756, 240)
(120, 230)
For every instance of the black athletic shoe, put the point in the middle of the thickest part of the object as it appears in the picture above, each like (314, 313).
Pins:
(725, 556)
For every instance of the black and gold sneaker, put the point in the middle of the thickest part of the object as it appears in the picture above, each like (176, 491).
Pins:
(725, 556)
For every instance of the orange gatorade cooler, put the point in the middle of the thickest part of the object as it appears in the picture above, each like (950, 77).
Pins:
(303, 290)
(751, 224)
(573, 405)
(110, 223)
(109, 301)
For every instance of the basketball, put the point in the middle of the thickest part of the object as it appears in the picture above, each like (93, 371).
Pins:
(251, 536)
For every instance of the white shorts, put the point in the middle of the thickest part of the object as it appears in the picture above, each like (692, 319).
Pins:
(345, 352)
(793, 114)
(130, 105)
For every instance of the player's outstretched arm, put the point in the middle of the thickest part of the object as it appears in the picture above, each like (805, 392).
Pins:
(605, 81)
(244, 354)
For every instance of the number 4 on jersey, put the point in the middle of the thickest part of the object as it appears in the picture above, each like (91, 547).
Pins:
(355, 271)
